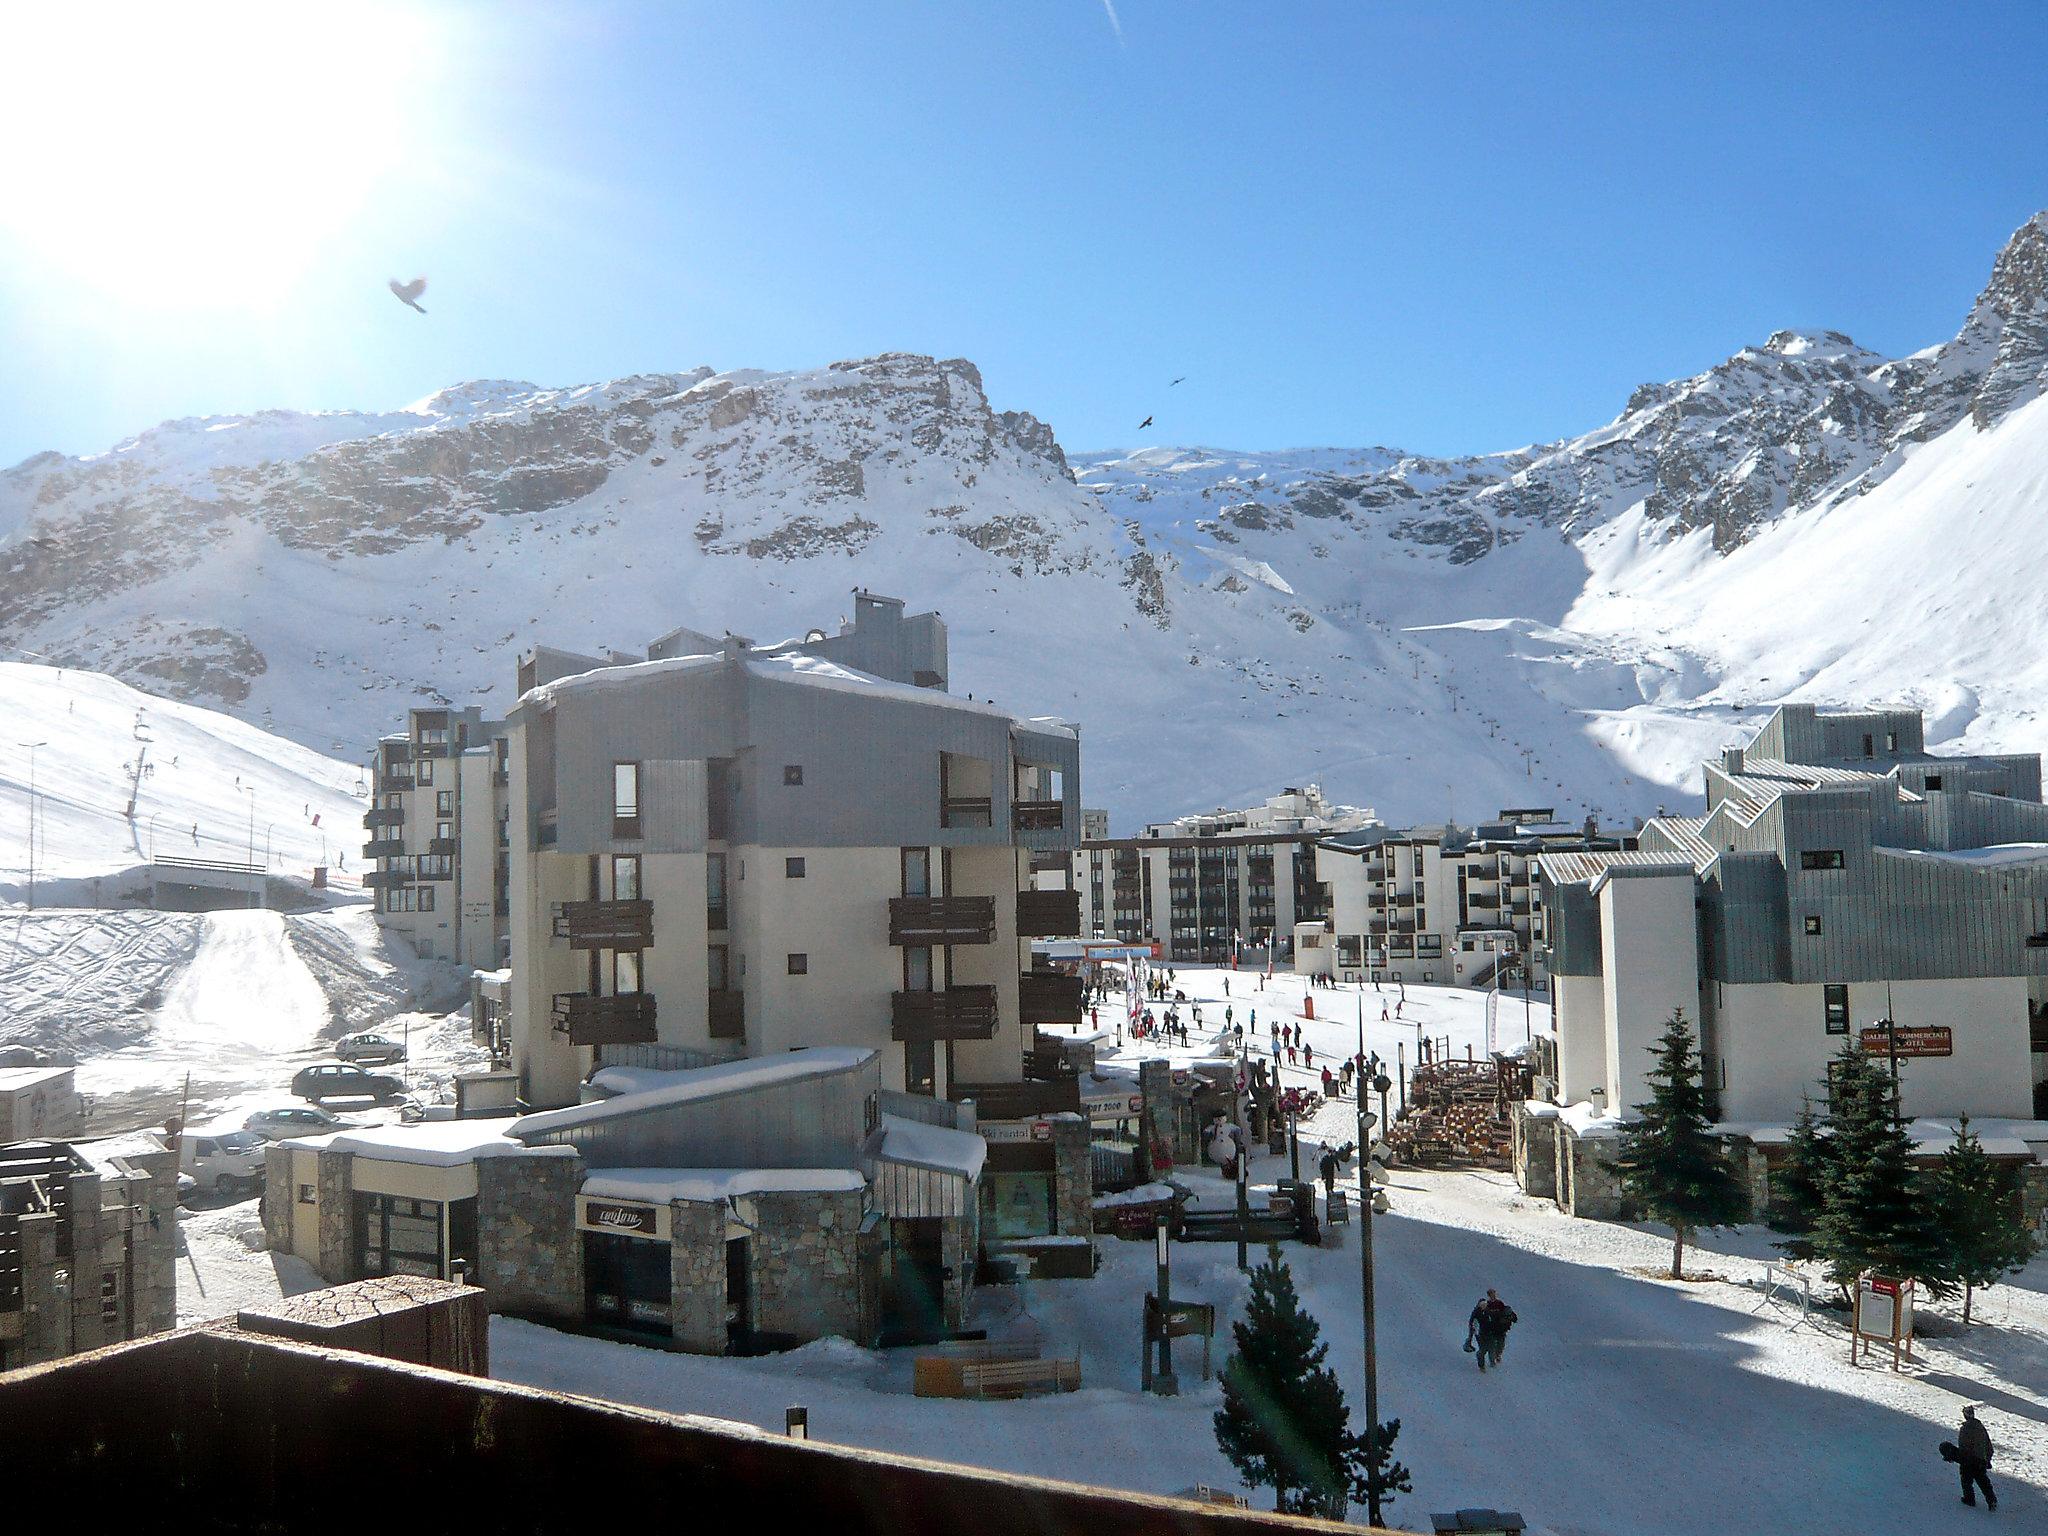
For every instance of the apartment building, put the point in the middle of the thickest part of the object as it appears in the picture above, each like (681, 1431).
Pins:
(1841, 877)
(738, 850)
(435, 824)
(1199, 885)
(1445, 903)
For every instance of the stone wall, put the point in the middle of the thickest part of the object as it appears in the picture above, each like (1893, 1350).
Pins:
(1534, 1150)
(2034, 1197)
(805, 1271)
(529, 1253)
(1589, 1186)
(279, 1198)
(1155, 1086)
(697, 1276)
(153, 1303)
(337, 1214)
(1073, 1176)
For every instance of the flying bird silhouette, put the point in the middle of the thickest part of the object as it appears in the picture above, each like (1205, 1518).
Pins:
(1181, 380)
(1145, 423)
(409, 293)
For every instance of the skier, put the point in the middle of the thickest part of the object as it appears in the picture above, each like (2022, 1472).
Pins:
(1226, 986)
(1488, 1325)
(1973, 1460)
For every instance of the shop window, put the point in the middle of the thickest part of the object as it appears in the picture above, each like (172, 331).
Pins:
(395, 1236)
(1835, 1007)
(626, 1281)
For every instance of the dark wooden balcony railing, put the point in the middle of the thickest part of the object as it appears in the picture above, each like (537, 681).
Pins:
(382, 880)
(384, 816)
(587, 1019)
(605, 924)
(1038, 815)
(1020, 1101)
(1046, 997)
(921, 920)
(728, 1015)
(389, 780)
(447, 845)
(1048, 914)
(958, 1013)
(384, 848)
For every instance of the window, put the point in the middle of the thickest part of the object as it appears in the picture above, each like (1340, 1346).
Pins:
(917, 968)
(426, 898)
(625, 799)
(444, 802)
(625, 877)
(398, 1236)
(1820, 858)
(444, 830)
(309, 1194)
(792, 773)
(793, 868)
(1813, 922)
(1891, 741)
(917, 872)
(625, 972)
(1835, 1004)
(1934, 781)
(426, 771)
(1868, 746)
(714, 890)
(799, 965)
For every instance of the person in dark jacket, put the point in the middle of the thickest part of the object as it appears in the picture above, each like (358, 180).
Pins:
(1486, 1331)
(1973, 1460)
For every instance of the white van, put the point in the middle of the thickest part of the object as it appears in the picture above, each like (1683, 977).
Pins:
(223, 1157)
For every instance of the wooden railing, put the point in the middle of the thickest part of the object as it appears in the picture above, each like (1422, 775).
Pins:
(605, 924)
(958, 1013)
(588, 1019)
(920, 920)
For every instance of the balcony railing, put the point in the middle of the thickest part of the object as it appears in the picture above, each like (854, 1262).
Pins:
(921, 920)
(728, 1015)
(383, 880)
(967, 811)
(395, 781)
(1038, 815)
(605, 924)
(447, 845)
(1048, 914)
(1020, 1101)
(1046, 997)
(384, 848)
(958, 1013)
(384, 816)
(588, 1019)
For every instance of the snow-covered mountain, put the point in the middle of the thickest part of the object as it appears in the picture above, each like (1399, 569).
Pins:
(1573, 623)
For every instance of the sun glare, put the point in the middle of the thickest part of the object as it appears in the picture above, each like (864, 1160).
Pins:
(176, 155)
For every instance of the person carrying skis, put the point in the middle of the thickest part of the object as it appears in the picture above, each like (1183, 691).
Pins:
(1486, 1331)
(1973, 1460)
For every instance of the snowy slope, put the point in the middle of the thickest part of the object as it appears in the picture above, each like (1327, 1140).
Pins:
(198, 766)
(1428, 635)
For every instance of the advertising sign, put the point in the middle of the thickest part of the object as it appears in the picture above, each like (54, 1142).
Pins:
(622, 1218)
(1912, 1040)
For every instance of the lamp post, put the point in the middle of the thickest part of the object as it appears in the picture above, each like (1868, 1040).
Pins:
(32, 745)
(1372, 1369)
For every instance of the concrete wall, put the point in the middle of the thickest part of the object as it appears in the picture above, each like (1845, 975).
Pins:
(1649, 941)
(1776, 1046)
(1581, 1018)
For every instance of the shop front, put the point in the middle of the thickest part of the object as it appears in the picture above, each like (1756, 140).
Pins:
(627, 1265)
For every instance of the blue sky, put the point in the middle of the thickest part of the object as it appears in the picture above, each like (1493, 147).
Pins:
(1446, 227)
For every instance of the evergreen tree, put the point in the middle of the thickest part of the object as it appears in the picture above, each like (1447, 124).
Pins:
(1977, 1217)
(1671, 1164)
(1799, 1187)
(1874, 1215)
(1284, 1424)
(1374, 1470)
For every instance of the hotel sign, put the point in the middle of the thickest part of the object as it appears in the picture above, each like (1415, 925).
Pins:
(621, 1218)
(1910, 1040)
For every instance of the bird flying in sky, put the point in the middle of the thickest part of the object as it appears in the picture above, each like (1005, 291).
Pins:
(1181, 380)
(409, 293)
(1145, 423)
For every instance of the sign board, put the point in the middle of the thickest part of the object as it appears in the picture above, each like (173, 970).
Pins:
(1013, 1131)
(622, 1218)
(1884, 1315)
(1113, 1103)
(1911, 1039)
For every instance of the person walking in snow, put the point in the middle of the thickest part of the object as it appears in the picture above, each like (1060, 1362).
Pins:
(1308, 1055)
(1383, 1014)
(1226, 986)
(1326, 1165)
(1486, 1330)
(1973, 1460)
(1290, 1055)
(1327, 1080)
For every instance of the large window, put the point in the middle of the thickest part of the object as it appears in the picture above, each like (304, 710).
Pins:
(714, 890)
(625, 972)
(1835, 1007)
(625, 877)
(917, 872)
(398, 1237)
(625, 799)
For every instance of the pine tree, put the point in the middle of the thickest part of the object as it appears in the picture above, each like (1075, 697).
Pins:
(1982, 1233)
(1374, 1470)
(1874, 1215)
(1284, 1424)
(1799, 1187)
(1670, 1162)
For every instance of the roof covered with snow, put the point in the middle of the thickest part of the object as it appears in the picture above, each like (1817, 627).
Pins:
(428, 1144)
(1995, 856)
(639, 1090)
(936, 1147)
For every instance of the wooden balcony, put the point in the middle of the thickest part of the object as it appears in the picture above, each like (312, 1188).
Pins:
(1038, 815)
(1047, 997)
(402, 779)
(384, 848)
(379, 816)
(447, 845)
(588, 1019)
(1020, 1101)
(958, 1013)
(922, 920)
(605, 924)
(727, 1015)
(1048, 914)
(382, 880)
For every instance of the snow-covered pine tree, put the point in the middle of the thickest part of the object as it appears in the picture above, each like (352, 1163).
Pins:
(1875, 1215)
(1284, 1423)
(1671, 1164)
(1982, 1232)
(1799, 1187)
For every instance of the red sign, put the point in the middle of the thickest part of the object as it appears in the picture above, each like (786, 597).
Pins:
(1041, 1130)
(1910, 1040)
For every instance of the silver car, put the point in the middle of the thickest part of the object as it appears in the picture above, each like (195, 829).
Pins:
(289, 1120)
(369, 1049)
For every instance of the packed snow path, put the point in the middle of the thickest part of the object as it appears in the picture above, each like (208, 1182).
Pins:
(245, 1002)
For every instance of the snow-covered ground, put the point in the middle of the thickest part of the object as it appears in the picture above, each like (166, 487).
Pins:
(1626, 1403)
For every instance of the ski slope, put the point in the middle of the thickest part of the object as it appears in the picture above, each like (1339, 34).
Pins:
(209, 787)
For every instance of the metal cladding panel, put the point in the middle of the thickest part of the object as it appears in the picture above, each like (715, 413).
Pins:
(1572, 928)
(903, 1190)
(1746, 900)
(813, 1122)
(672, 805)
(660, 717)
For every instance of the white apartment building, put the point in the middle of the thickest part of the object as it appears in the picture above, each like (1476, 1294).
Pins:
(1443, 904)
(1198, 885)
(1840, 877)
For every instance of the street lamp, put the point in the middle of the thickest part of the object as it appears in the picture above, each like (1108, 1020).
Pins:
(1365, 1278)
(31, 745)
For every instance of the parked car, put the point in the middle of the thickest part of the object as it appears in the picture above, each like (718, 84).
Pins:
(289, 1120)
(369, 1049)
(222, 1157)
(326, 1080)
